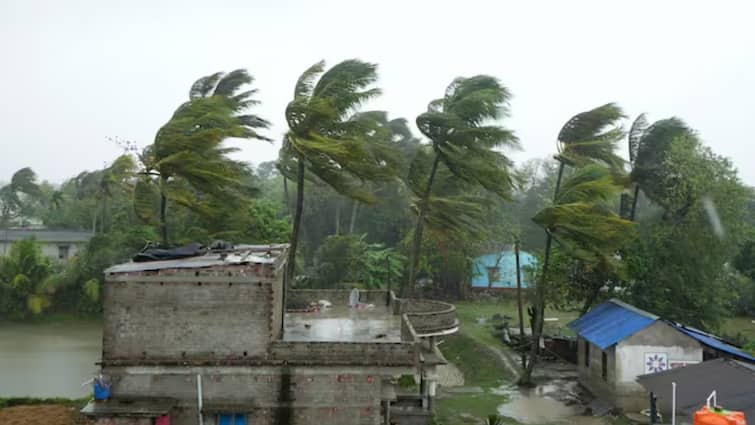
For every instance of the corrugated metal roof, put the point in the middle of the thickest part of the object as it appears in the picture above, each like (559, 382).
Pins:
(713, 342)
(241, 254)
(733, 381)
(44, 235)
(611, 322)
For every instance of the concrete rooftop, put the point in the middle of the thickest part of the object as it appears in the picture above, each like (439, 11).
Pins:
(344, 324)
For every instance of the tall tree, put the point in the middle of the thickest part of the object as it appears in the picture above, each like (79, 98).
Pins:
(325, 142)
(588, 138)
(188, 161)
(16, 196)
(464, 141)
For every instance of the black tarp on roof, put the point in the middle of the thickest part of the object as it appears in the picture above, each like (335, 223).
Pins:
(733, 381)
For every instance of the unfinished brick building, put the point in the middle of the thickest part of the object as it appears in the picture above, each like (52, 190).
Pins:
(207, 340)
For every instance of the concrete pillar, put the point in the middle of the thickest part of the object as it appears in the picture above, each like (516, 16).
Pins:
(386, 412)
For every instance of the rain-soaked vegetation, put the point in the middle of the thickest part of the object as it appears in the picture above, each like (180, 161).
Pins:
(366, 200)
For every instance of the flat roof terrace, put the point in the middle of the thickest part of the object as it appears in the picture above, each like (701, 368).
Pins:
(341, 323)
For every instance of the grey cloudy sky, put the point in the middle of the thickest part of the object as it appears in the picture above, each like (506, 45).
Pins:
(77, 72)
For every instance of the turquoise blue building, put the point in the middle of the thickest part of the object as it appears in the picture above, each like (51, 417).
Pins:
(498, 270)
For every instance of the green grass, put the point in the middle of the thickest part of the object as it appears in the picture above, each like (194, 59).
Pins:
(739, 325)
(481, 366)
(30, 401)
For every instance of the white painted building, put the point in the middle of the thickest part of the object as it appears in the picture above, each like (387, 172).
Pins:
(618, 342)
(59, 245)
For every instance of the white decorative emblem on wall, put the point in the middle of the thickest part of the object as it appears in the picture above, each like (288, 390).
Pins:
(656, 362)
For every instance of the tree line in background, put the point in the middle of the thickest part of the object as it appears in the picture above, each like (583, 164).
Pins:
(364, 201)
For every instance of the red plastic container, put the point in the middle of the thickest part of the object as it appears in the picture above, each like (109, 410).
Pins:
(716, 416)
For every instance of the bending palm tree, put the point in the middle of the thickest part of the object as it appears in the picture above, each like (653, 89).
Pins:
(188, 160)
(589, 138)
(464, 142)
(325, 143)
(648, 147)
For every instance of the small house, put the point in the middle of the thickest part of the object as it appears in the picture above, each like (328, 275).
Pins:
(497, 270)
(617, 343)
(58, 245)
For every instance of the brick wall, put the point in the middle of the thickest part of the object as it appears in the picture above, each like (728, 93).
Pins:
(187, 319)
(335, 395)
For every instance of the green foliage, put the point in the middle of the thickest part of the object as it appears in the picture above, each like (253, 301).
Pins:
(580, 221)
(464, 146)
(188, 164)
(679, 261)
(343, 260)
(18, 196)
(27, 281)
(592, 137)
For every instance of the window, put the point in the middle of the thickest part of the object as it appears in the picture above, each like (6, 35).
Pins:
(231, 419)
(604, 366)
(587, 354)
(494, 274)
(63, 252)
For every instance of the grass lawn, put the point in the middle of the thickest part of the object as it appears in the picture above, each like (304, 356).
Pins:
(739, 325)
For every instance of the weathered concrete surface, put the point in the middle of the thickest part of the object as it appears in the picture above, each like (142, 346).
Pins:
(341, 323)
(311, 395)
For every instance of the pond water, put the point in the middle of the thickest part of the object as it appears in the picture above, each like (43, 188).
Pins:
(50, 359)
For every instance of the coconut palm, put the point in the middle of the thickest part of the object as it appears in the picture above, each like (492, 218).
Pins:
(648, 148)
(188, 161)
(587, 140)
(14, 195)
(326, 143)
(463, 139)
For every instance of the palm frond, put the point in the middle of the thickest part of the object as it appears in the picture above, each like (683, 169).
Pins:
(636, 131)
(593, 136)
(204, 86)
(305, 83)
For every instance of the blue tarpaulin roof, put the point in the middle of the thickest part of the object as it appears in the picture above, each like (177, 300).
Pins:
(715, 343)
(611, 322)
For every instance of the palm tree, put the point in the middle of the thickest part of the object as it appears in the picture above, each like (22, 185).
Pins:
(463, 140)
(327, 143)
(12, 202)
(589, 138)
(634, 140)
(648, 147)
(188, 160)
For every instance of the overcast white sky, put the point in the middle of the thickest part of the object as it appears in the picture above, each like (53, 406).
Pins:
(77, 72)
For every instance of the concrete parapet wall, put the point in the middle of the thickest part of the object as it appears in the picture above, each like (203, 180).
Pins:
(298, 298)
(349, 353)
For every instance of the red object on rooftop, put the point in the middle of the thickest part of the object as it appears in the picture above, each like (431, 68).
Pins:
(717, 416)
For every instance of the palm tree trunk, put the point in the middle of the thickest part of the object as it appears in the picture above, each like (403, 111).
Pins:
(94, 220)
(163, 213)
(519, 299)
(352, 223)
(285, 196)
(338, 217)
(291, 266)
(634, 201)
(537, 326)
(417, 243)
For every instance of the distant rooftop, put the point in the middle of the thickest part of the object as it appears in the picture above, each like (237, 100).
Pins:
(240, 254)
(44, 235)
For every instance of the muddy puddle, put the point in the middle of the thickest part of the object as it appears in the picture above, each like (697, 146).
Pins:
(557, 401)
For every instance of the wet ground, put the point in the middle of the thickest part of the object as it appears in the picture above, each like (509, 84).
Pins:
(341, 323)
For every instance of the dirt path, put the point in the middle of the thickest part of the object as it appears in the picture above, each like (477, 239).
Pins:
(45, 414)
